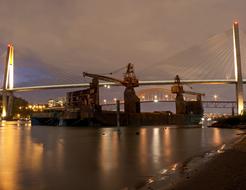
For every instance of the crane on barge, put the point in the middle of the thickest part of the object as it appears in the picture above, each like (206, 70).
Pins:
(186, 107)
(130, 81)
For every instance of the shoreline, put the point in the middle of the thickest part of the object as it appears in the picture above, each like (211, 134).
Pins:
(224, 168)
(224, 171)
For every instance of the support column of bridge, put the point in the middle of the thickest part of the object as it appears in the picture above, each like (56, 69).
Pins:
(8, 84)
(237, 67)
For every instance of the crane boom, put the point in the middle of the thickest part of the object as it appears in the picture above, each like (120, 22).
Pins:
(193, 93)
(129, 80)
(178, 88)
(104, 78)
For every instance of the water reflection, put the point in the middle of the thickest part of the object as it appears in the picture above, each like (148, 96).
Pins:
(167, 148)
(22, 157)
(9, 152)
(108, 155)
(156, 144)
(143, 148)
(217, 136)
(18, 153)
(69, 158)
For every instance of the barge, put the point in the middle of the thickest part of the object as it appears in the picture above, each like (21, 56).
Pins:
(83, 109)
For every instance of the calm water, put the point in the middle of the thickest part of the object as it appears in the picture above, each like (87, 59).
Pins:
(91, 158)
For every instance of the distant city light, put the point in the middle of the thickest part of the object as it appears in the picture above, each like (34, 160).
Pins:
(215, 97)
(155, 100)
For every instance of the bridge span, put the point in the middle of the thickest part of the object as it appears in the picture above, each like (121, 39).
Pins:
(141, 83)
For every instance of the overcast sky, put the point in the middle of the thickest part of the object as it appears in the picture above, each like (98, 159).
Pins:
(102, 35)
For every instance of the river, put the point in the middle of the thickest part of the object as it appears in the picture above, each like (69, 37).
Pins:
(50, 158)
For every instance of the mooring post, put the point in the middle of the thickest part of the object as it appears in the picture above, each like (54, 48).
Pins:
(232, 111)
(118, 114)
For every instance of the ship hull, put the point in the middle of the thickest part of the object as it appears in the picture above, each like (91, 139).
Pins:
(109, 118)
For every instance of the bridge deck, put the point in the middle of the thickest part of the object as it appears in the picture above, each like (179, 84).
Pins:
(141, 83)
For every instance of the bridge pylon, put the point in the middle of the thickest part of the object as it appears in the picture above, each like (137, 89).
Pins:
(238, 69)
(8, 83)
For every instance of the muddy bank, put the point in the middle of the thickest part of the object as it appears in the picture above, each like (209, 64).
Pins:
(224, 171)
(224, 168)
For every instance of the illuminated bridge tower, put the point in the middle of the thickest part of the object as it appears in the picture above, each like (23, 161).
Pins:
(8, 83)
(237, 67)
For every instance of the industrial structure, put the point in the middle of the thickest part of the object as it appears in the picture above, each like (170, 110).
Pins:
(83, 108)
(130, 81)
(84, 104)
(186, 107)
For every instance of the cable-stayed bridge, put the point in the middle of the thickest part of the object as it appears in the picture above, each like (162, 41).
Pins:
(216, 61)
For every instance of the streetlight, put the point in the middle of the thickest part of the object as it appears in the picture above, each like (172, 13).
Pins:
(143, 97)
(156, 99)
(215, 97)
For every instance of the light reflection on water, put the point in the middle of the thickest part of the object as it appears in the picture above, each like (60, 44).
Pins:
(217, 136)
(167, 145)
(9, 152)
(96, 158)
(156, 144)
(108, 154)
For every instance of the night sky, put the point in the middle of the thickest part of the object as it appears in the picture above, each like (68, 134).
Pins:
(55, 37)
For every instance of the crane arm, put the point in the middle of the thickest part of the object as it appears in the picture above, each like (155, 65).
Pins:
(104, 78)
(194, 93)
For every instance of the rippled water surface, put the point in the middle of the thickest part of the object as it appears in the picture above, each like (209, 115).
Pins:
(43, 157)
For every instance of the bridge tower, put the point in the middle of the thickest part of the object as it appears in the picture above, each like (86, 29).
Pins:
(8, 84)
(237, 67)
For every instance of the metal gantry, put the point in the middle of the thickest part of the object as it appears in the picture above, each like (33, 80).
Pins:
(206, 104)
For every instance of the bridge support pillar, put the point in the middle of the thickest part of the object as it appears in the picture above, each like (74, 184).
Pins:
(7, 104)
(10, 105)
(8, 84)
(4, 104)
(237, 67)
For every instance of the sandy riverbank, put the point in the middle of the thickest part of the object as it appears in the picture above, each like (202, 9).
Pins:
(221, 169)
(225, 171)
